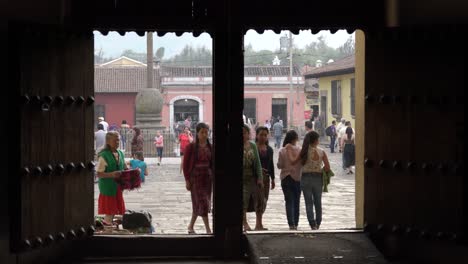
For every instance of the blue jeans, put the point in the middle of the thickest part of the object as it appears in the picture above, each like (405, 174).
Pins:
(292, 198)
(278, 141)
(311, 185)
(124, 141)
(332, 144)
(159, 151)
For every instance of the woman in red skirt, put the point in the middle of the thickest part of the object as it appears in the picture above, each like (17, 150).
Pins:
(197, 167)
(110, 164)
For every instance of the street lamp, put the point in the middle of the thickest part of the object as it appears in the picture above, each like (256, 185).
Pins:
(286, 43)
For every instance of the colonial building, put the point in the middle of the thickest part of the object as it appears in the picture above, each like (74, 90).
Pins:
(187, 91)
(331, 90)
(116, 84)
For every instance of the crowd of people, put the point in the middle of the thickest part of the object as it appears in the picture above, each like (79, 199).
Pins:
(303, 169)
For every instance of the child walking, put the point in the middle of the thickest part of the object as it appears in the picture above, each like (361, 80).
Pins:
(138, 161)
(197, 168)
(159, 142)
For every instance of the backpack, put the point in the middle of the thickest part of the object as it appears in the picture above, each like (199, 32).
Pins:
(135, 220)
(329, 131)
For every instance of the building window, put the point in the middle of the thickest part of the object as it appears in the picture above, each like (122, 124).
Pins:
(353, 98)
(250, 109)
(336, 98)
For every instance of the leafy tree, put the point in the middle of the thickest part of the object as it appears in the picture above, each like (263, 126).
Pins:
(348, 48)
(190, 56)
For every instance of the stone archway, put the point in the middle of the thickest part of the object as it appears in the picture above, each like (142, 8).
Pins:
(183, 97)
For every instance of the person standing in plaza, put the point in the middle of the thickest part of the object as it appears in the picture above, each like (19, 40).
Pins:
(124, 129)
(349, 157)
(278, 133)
(314, 160)
(159, 143)
(331, 132)
(110, 165)
(137, 141)
(342, 134)
(185, 138)
(252, 175)
(340, 125)
(99, 138)
(308, 126)
(268, 169)
(198, 176)
(104, 123)
(290, 178)
(188, 122)
(267, 124)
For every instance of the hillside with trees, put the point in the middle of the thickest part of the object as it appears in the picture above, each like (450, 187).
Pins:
(202, 56)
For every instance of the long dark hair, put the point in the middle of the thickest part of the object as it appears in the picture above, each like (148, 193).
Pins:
(291, 135)
(260, 129)
(199, 127)
(309, 138)
(137, 133)
(349, 132)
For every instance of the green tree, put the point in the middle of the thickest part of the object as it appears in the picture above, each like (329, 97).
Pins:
(348, 48)
(190, 56)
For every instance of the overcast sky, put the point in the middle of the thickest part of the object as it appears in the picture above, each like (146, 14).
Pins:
(113, 44)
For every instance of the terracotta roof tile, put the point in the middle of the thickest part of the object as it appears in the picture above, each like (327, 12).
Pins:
(122, 80)
(132, 79)
(205, 71)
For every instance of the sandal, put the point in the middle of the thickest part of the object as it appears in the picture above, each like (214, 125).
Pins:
(104, 223)
(261, 229)
(191, 232)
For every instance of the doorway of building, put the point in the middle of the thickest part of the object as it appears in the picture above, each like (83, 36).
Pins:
(186, 108)
(323, 110)
(250, 106)
(279, 108)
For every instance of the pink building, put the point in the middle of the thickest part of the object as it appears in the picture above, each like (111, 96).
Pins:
(187, 91)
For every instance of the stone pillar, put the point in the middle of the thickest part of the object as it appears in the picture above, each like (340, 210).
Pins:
(149, 103)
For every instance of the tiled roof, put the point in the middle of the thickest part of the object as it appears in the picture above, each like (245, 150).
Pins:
(205, 71)
(270, 71)
(345, 65)
(132, 79)
(187, 71)
(122, 80)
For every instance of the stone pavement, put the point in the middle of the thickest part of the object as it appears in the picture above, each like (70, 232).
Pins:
(165, 197)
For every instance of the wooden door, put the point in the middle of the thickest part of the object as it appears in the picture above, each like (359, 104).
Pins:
(414, 104)
(52, 192)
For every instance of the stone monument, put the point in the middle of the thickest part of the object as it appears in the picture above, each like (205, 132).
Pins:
(149, 101)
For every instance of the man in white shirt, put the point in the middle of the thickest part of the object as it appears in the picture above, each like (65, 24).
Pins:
(342, 132)
(338, 132)
(104, 123)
